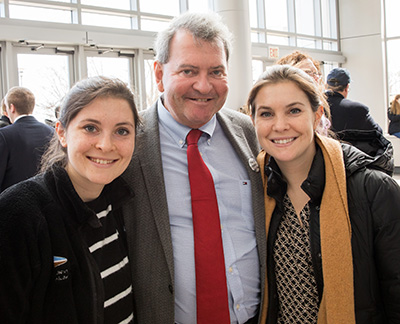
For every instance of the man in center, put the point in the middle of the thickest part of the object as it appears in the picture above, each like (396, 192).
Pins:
(191, 70)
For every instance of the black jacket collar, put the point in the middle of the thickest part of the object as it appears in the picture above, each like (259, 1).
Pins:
(313, 186)
(60, 185)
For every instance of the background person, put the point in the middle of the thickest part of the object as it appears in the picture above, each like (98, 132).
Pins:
(345, 113)
(352, 122)
(63, 254)
(22, 143)
(4, 120)
(305, 62)
(191, 72)
(394, 116)
(331, 214)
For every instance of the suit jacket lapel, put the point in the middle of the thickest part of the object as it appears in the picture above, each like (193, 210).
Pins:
(150, 164)
(248, 153)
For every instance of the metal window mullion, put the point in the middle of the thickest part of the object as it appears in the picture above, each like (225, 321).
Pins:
(76, 14)
(318, 18)
(261, 19)
(6, 8)
(335, 10)
(183, 6)
(291, 16)
(211, 5)
(333, 15)
(133, 5)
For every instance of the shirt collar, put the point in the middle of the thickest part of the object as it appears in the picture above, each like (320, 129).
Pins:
(177, 131)
(21, 116)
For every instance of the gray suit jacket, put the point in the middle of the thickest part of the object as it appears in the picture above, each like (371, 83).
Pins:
(147, 220)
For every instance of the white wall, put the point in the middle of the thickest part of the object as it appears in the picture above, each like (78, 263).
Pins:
(361, 44)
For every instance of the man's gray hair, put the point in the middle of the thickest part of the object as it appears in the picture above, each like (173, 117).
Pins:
(203, 26)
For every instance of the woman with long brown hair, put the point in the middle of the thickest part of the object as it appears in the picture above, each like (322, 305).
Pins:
(332, 214)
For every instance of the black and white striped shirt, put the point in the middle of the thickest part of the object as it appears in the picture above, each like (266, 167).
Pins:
(107, 246)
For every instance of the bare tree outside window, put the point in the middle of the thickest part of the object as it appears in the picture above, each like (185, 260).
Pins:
(47, 76)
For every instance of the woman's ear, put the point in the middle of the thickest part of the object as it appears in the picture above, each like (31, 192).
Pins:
(318, 115)
(61, 134)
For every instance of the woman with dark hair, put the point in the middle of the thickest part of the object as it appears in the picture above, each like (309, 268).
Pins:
(332, 214)
(63, 254)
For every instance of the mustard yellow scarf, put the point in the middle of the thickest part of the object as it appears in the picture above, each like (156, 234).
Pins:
(337, 304)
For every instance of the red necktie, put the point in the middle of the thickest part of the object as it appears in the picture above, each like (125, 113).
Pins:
(211, 287)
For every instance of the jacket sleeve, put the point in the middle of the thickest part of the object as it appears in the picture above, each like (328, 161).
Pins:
(393, 117)
(370, 123)
(23, 243)
(3, 159)
(384, 197)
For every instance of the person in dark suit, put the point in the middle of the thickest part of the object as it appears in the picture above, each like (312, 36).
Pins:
(191, 72)
(345, 113)
(22, 143)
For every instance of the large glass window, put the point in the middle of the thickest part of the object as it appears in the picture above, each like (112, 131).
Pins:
(153, 24)
(117, 4)
(161, 7)
(328, 17)
(111, 66)
(307, 24)
(305, 17)
(253, 10)
(106, 20)
(148, 15)
(393, 53)
(152, 92)
(257, 69)
(392, 18)
(277, 39)
(48, 77)
(276, 15)
(298, 23)
(40, 13)
(198, 5)
(66, 1)
(392, 9)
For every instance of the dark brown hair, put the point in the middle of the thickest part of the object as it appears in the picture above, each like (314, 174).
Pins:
(80, 96)
(286, 73)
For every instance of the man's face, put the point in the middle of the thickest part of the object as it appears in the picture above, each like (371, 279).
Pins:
(194, 81)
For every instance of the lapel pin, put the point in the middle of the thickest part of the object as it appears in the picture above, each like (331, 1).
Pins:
(254, 165)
